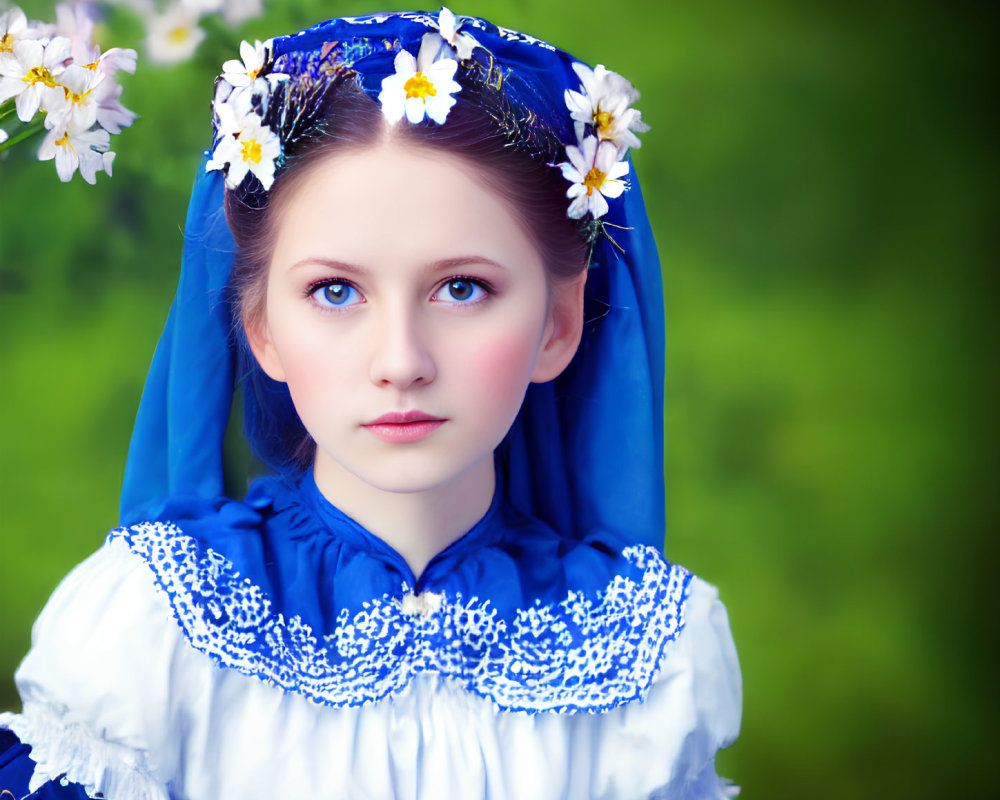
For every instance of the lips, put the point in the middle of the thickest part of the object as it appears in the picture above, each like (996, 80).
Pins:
(404, 418)
(401, 427)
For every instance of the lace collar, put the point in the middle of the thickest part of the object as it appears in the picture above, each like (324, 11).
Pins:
(283, 603)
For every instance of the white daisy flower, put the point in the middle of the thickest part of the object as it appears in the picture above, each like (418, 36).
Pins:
(595, 174)
(13, 28)
(446, 42)
(417, 93)
(605, 103)
(255, 56)
(77, 107)
(29, 74)
(246, 145)
(173, 35)
(72, 149)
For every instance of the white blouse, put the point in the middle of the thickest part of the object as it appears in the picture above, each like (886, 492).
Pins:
(118, 699)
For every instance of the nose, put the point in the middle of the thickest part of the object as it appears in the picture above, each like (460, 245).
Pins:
(401, 357)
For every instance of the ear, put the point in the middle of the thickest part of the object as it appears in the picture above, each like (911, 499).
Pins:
(259, 338)
(564, 328)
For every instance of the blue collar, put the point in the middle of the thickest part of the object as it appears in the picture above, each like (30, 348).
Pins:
(289, 590)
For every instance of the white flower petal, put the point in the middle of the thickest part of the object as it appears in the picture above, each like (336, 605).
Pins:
(571, 173)
(118, 58)
(10, 87)
(250, 54)
(66, 163)
(237, 172)
(446, 19)
(611, 188)
(415, 108)
(619, 170)
(405, 63)
(578, 207)
(27, 103)
(392, 98)
(598, 205)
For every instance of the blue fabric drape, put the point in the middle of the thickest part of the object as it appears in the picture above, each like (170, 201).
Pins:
(586, 451)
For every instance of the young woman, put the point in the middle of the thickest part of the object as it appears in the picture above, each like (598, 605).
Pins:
(438, 292)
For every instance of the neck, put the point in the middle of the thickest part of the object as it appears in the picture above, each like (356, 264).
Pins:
(418, 525)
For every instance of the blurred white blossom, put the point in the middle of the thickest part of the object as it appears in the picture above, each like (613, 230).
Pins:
(75, 21)
(173, 35)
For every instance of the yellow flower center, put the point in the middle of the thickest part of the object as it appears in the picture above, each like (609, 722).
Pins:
(594, 180)
(64, 141)
(7, 43)
(38, 75)
(74, 98)
(250, 151)
(178, 35)
(419, 86)
(252, 74)
(603, 120)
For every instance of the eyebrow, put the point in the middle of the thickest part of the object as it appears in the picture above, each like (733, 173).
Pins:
(337, 266)
(440, 265)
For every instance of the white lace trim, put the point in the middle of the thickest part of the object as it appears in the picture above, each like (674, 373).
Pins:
(74, 751)
(588, 653)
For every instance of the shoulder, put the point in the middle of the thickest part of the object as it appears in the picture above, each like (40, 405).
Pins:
(691, 710)
(94, 684)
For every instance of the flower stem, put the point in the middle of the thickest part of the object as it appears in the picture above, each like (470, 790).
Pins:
(20, 137)
(7, 108)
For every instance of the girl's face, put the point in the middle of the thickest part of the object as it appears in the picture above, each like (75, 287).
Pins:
(408, 311)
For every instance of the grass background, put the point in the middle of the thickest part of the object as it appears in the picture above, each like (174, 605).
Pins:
(822, 178)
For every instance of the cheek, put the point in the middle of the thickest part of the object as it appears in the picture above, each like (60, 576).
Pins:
(502, 370)
(313, 371)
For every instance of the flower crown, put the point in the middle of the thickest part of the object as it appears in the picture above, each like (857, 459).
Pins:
(258, 109)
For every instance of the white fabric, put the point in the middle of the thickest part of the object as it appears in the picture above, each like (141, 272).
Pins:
(115, 697)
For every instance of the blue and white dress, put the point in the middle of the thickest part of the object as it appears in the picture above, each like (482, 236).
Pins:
(273, 648)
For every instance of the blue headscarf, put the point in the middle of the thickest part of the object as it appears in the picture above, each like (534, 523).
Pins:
(586, 451)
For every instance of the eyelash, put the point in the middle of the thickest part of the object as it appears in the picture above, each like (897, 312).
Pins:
(315, 288)
(476, 282)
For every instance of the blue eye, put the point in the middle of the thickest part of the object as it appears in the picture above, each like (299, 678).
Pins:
(461, 290)
(335, 294)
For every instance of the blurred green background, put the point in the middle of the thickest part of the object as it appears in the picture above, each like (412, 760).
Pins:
(822, 178)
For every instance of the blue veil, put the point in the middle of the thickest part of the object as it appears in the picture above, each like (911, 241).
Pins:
(586, 451)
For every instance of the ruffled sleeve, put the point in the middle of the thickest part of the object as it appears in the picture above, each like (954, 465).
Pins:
(95, 685)
(691, 712)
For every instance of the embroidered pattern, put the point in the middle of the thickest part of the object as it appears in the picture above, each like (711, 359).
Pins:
(589, 653)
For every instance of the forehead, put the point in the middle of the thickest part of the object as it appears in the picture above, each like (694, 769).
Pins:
(394, 203)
